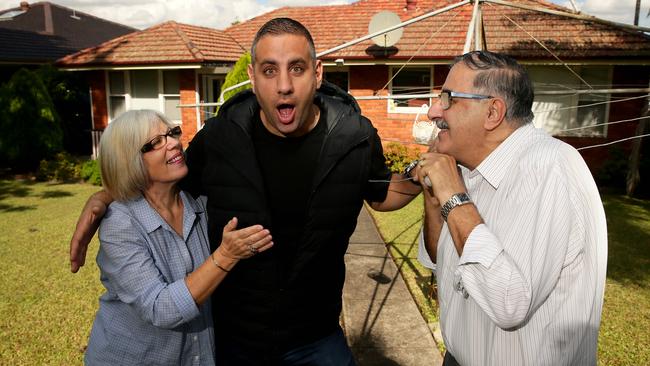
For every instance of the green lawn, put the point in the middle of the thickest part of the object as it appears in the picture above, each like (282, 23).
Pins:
(625, 329)
(45, 311)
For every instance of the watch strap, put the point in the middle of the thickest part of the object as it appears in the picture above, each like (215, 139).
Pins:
(454, 201)
(409, 168)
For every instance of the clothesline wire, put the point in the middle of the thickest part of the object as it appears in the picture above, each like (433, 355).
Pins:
(580, 148)
(417, 51)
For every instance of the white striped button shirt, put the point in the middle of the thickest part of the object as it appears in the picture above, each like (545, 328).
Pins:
(528, 288)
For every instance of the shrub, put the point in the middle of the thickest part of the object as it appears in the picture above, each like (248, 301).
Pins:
(398, 156)
(90, 172)
(66, 168)
(63, 168)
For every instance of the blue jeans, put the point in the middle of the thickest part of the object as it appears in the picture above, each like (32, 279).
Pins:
(332, 350)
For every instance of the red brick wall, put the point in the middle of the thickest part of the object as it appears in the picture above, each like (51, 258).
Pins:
(365, 81)
(96, 80)
(187, 81)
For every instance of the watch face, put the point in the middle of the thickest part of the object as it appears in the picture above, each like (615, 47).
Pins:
(410, 167)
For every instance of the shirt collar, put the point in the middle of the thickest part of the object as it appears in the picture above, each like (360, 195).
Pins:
(495, 166)
(151, 220)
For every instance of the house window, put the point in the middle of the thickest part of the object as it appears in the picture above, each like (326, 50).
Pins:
(158, 90)
(338, 78)
(171, 94)
(568, 114)
(116, 93)
(144, 89)
(410, 80)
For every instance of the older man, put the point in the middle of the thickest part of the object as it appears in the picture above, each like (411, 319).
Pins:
(517, 229)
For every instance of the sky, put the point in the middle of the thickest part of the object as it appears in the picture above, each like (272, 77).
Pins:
(221, 13)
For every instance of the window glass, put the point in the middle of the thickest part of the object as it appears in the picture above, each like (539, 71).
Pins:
(118, 106)
(171, 110)
(338, 78)
(144, 84)
(170, 82)
(567, 114)
(116, 82)
(412, 80)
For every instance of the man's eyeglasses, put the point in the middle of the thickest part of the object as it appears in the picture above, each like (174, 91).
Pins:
(161, 140)
(446, 96)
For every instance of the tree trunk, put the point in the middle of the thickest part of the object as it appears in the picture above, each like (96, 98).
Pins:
(633, 177)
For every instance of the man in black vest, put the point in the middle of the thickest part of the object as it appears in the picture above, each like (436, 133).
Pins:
(296, 156)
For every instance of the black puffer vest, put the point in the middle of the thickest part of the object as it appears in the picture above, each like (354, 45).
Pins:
(266, 303)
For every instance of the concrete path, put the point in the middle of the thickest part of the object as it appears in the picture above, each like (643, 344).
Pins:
(382, 322)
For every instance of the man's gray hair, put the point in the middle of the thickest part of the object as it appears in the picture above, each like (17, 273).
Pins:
(502, 76)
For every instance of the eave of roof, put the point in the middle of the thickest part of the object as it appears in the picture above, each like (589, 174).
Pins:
(169, 42)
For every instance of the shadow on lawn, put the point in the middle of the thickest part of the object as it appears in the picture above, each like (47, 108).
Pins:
(629, 240)
(15, 188)
(55, 194)
(20, 188)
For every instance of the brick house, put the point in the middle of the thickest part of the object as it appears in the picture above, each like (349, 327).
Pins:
(157, 68)
(598, 59)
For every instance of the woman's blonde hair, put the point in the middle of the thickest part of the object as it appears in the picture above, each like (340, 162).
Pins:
(124, 175)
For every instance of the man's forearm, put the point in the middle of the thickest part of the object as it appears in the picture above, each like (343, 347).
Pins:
(401, 191)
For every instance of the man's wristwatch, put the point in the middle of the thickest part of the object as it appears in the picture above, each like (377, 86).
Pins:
(409, 168)
(456, 200)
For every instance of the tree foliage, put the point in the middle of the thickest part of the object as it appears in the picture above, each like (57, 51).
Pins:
(28, 121)
(237, 75)
(70, 94)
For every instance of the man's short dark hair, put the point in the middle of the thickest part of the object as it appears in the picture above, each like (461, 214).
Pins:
(502, 76)
(279, 26)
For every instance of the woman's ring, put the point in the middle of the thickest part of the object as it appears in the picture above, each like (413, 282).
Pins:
(253, 249)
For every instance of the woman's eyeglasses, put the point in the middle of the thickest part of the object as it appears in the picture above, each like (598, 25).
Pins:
(161, 140)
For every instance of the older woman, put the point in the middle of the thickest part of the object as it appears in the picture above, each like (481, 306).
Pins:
(154, 254)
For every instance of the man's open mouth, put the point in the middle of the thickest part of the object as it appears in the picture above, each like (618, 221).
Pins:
(286, 113)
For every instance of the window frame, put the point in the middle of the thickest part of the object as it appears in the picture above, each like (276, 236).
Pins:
(162, 95)
(573, 105)
(127, 95)
(391, 105)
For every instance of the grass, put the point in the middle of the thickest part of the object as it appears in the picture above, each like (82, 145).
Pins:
(45, 311)
(624, 337)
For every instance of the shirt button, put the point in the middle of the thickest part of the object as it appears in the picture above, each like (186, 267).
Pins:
(459, 286)
(195, 339)
(196, 358)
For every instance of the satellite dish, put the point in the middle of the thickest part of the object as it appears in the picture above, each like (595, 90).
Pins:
(381, 21)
